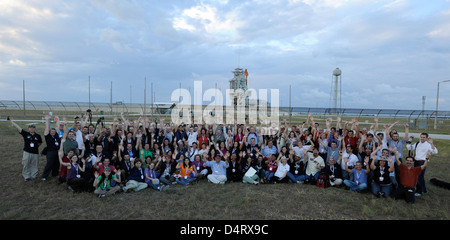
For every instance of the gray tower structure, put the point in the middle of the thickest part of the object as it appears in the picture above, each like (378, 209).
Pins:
(239, 81)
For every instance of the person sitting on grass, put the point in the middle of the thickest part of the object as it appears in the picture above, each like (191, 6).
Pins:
(218, 168)
(136, 179)
(381, 182)
(280, 175)
(187, 171)
(360, 176)
(102, 183)
(151, 179)
(234, 172)
(314, 164)
(333, 171)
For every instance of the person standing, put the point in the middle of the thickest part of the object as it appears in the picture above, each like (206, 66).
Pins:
(421, 149)
(53, 142)
(30, 159)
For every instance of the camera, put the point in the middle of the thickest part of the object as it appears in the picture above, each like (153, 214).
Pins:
(410, 140)
(100, 120)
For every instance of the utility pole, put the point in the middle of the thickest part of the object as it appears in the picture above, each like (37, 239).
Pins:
(89, 92)
(145, 95)
(24, 111)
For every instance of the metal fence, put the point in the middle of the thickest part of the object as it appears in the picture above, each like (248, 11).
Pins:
(36, 108)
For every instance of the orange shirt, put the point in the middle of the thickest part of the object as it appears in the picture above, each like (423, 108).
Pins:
(185, 172)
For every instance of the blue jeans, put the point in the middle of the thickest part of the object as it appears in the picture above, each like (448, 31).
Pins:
(270, 175)
(386, 188)
(355, 187)
(294, 178)
(154, 186)
(261, 173)
(184, 181)
(304, 177)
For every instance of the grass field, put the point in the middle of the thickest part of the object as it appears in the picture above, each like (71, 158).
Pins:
(35, 200)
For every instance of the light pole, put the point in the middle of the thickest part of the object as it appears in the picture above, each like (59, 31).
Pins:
(437, 102)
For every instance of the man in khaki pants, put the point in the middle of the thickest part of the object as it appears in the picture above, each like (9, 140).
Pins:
(30, 159)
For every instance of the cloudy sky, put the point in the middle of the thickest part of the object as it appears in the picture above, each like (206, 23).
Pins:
(391, 52)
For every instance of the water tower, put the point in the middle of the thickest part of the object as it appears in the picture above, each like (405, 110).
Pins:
(336, 89)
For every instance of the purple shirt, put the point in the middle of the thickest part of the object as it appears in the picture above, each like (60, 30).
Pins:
(198, 165)
(150, 174)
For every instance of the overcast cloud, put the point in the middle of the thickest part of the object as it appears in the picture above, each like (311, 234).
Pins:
(391, 53)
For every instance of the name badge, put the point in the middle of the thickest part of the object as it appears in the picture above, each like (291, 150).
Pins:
(56, 144)
(296, 171)
(198, 168)
(270, 169)
(31, 144)
(185, 177)
(381, 179)
(233, 170)
(78, 176)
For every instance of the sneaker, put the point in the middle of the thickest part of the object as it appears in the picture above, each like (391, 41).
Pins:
(255, 182)
(43, 179)
(101, 195)
(27, 179)
(300, 182)
(417, 194)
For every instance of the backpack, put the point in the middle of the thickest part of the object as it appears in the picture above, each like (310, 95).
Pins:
(322, 180)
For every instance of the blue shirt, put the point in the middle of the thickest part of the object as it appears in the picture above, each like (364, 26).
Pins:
(217, 168)
(268, 151)
(359, 177)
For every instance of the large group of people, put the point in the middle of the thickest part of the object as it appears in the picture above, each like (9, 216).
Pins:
(131, 155)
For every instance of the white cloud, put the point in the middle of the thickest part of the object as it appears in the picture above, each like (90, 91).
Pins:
(17, 62)
(208, 20)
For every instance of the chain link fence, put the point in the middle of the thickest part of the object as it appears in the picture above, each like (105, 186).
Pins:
(417, 119)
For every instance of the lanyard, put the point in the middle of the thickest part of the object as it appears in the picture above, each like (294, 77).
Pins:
(76, 167)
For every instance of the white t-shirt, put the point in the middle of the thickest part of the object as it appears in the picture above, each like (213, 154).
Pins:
(192, 137)
(311, 168)
(281, 169)
(352, 159)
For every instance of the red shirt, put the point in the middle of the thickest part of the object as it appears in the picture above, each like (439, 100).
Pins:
(101, 169)
(272, 166)
(202, 139)
(353, 141)
(408, 177)
(63, 173)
